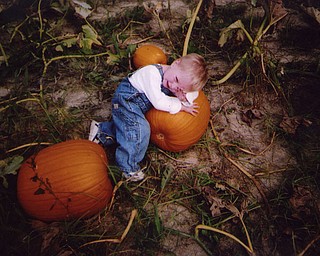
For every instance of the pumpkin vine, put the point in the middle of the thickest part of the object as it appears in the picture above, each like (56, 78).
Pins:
(44, 185)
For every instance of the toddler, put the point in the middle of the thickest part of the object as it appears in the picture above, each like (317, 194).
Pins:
(171, 88)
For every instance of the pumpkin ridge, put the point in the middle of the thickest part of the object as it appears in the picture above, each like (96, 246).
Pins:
(65, 195)
(67, 187)
(54, 162)
(75, 145)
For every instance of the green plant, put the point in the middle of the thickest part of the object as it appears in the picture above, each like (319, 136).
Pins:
(8, 166)
(255, 51)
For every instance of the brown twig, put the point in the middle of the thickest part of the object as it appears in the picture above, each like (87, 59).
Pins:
(116, 187)
(251, 177)
(28, 145)
(116, 240)
(225, 103)
(308, 246)
(240, 167)
(172, 158)
(248, 151)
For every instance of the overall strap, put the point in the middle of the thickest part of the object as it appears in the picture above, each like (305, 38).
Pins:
(163, 89)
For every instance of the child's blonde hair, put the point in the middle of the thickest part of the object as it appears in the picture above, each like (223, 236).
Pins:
(195, 66)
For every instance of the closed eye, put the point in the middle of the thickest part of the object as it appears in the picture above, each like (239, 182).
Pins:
(177, 80)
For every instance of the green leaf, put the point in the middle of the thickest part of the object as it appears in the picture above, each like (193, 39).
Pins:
(69, 42)
(61, 6)
(82, 8)
(113, 59)
(157, 221)
(131, 48)
(35, 178)
(9, 166)
(91, 34)
(39, 191)
(87, 38)
(227, 32)
(14, 165)
(166, 177)
(59, 48)
(86, 45)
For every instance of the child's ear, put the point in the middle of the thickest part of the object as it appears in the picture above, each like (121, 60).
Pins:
(176, 62)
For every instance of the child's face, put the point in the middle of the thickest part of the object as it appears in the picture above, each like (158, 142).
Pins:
(176, 80)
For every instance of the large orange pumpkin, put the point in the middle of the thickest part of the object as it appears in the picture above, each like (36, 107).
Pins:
(63, 181)
(179, 131)
(148, 54)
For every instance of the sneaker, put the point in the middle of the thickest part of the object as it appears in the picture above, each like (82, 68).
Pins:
(134, 176)
(94, 129)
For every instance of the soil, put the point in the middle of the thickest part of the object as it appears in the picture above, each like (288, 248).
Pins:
(259, 141)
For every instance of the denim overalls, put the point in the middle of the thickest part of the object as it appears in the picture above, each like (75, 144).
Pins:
(128, 125)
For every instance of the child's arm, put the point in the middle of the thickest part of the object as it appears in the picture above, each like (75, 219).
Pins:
(192, 109)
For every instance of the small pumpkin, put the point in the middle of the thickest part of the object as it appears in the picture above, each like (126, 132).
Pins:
(179, 131)
(64, 181)
(148, 54)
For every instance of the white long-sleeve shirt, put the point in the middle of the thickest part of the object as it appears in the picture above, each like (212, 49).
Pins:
(148, 80)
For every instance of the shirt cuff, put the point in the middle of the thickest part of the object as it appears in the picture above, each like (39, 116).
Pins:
(191, 97)
(176, 109)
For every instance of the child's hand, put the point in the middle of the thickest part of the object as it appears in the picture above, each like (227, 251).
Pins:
(193, 109)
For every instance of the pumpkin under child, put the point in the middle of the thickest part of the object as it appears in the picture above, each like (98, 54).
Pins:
(179, 131)
(65, 181)
(148, 54)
